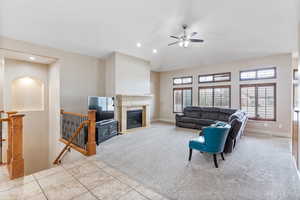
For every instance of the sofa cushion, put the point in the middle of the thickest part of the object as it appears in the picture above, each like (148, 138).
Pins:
(193, 114)
(210, 115)
(227, 111)
(223, 117)
(237, 115)
(205, 122)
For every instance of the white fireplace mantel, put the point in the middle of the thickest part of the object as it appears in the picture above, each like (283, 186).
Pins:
(123, 103)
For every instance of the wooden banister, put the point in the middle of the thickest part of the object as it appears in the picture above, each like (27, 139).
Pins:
(57, 160)
(9, 136)
(4, 120)
(16, 162)
(90, 147)
(72, 113)
(9, 113)
(91, 144)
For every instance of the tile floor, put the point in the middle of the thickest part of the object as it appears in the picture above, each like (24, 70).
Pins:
(86, 179)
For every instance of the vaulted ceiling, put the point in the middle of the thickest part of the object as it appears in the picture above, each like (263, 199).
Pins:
(232, 29)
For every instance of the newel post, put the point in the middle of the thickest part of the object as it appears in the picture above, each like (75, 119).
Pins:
(9, 135)
(91, 144)
(16, 166)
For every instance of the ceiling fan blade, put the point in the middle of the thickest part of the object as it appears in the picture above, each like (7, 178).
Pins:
(174, 37)
(196, 40)
(193, 34)
(173, 43)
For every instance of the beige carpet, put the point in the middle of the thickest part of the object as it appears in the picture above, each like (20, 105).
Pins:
(260, 167)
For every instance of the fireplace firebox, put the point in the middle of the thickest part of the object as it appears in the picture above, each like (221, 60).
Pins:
(134, 118)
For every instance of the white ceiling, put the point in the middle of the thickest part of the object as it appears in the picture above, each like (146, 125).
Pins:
(232, 29)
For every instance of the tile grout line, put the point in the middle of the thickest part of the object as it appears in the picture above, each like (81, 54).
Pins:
(109, 166)
(122, 181)
(92, 161)
(36, 180)
(13, 187)
(81, 185)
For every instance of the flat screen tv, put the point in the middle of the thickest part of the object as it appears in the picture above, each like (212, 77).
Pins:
(103, 105)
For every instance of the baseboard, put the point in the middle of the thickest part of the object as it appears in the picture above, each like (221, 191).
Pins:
(247, 131)
(154, 120)
(266, 132)
(166, 121)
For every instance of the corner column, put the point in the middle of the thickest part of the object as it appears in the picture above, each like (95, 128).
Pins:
(16, 166)
(9, 136)
(91, 144)
(123, 119)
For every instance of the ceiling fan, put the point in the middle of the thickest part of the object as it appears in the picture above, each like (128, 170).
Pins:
(184, 40)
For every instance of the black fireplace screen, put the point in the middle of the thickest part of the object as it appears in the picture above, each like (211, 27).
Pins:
(134, 118)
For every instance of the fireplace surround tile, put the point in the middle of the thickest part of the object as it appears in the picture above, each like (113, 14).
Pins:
(124, 103)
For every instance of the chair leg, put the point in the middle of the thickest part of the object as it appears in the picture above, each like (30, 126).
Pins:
(222, 155)
(215, 161)
(190, 156)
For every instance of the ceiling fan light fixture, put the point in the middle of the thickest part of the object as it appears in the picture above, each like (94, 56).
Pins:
(186, 43)
(185, 39)
(138, 44)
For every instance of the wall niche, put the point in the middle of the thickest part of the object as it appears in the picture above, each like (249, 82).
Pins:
(27, 94)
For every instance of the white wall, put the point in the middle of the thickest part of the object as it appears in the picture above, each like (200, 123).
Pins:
(54, 111)
(126, 75)
(79, 77)
(283, 62)
(155, 91)
(27, 93)
(110, 86)
(35, 131)
(132, 75)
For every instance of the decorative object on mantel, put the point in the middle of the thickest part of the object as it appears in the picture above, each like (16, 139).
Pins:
(124, 103)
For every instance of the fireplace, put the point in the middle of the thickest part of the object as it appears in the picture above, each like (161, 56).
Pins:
(134, 118)
(124, 104)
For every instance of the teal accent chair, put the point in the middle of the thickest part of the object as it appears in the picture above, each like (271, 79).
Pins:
(212, 140)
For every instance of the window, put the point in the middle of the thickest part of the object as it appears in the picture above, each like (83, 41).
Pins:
(182, 97)
(210, 78)
(183, 80)
(215, 96)
(257, 74)
(259, 101)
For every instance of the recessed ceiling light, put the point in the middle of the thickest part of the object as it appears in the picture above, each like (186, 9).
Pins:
(138, 45)
(154, 51)
(32, 58)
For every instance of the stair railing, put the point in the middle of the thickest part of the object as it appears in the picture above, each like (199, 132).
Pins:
(15, 160)
(77, 132)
